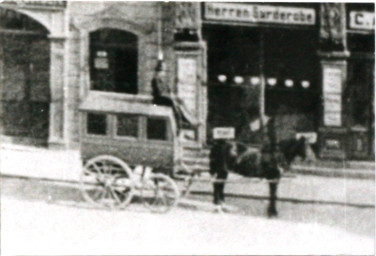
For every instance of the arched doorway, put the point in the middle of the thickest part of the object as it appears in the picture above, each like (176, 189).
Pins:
(25, 75)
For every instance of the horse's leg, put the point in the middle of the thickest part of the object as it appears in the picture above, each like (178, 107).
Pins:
(272, 208)
(216, 188)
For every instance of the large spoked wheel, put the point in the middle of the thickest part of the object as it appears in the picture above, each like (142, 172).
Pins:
(106, 181)
(159, 192)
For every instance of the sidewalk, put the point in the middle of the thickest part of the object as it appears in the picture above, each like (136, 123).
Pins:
(349, 169)
(65, 165)
(40, 163)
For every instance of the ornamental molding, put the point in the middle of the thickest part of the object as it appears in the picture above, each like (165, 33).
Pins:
(187, 15)
(333, 24)
(110, 17)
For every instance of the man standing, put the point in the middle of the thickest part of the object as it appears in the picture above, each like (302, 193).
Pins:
(223, 155)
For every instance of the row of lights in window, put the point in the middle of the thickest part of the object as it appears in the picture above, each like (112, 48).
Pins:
(255, 80)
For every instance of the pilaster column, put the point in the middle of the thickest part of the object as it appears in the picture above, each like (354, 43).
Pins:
(58, 124)
(333, 55)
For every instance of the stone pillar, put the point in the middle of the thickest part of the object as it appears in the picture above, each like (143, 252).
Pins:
(190, 54)
(333, 131)
(57, 125)
(333, 55)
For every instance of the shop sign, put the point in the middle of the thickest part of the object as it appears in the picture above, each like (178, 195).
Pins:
(187, 70)
(260, 13)
(332, 96)
(362, 20)
(101, 63)
(332, 102)
(223, 133)
(311, 137)
(187, 82)
(332, 80)
(332, 118)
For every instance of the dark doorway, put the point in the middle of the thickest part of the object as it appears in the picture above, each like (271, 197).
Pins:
(25, 91)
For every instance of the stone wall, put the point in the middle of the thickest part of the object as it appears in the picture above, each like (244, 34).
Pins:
(140, 18)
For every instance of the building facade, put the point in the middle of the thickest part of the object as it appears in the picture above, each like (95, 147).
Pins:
(309, 64)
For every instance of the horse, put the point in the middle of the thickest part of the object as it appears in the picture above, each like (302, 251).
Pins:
(268, 163)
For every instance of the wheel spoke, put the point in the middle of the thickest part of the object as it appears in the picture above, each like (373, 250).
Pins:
(97, 168)
(113, 192)
(98, 193)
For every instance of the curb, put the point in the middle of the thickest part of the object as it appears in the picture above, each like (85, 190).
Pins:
(209, 193)
(335, 173)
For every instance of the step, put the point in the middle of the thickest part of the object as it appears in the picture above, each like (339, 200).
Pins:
(196, 160)
(196, 153)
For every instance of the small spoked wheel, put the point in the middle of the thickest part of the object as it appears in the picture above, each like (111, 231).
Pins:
(106, 181)
(159, 192)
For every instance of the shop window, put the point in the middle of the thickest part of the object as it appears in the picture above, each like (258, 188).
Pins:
(361, 43)
(127, 125)
(96, 124)
(359, 91)
(113, 61)
(157, 129)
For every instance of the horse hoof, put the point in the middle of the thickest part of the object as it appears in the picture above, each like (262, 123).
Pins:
(272, 213)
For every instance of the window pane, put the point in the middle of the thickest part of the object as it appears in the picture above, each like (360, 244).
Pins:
(156, 129)
(127, 125)
(96, 124)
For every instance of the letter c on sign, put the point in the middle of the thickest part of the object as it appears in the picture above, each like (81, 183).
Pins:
(359, 18)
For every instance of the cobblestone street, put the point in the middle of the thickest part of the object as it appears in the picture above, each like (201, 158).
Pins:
(58, 221)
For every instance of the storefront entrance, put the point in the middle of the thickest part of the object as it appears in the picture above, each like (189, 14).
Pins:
(242, 60)
(25, 92)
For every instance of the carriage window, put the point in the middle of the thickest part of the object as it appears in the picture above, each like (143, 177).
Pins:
(127, 125)
(113, 61)
(96, 124)
(156, 129)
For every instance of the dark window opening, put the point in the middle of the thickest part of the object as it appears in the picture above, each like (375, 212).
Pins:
(361, 43)
(359, 92)
(127, 125)
(96, 124)
(157, 129)
(113, 61)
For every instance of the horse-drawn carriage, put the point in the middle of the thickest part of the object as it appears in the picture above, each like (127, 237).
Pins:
(128, 147)
(132, 147)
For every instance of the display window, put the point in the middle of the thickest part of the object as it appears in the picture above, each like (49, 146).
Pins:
(286, 59)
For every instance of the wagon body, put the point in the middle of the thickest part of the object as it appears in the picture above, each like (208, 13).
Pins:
(139, 133)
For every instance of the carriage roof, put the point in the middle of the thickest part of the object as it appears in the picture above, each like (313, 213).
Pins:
(107, 103)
